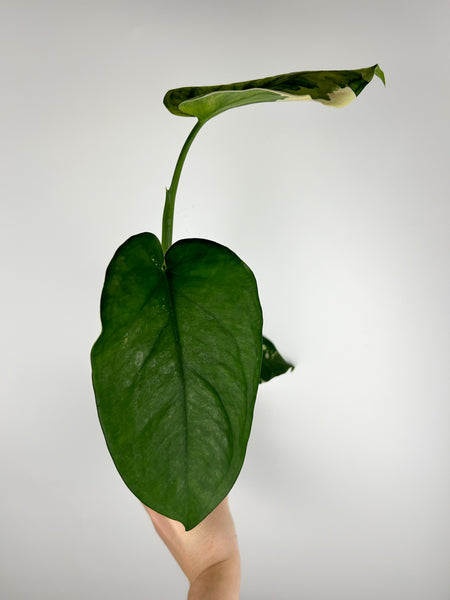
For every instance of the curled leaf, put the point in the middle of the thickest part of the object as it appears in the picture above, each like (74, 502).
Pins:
(273, 364)
(332, 88)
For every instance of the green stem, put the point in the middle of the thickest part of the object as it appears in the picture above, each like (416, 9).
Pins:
(167, 225)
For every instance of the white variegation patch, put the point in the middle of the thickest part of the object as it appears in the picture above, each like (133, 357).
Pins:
(340, 97)
(292, 97)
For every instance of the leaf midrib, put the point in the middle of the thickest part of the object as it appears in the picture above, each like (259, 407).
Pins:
(180, 359)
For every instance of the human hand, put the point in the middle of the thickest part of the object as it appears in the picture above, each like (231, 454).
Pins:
(207, 554)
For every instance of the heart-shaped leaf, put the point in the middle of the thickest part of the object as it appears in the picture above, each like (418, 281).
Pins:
(176, 371)
(273, 364)
(332, 88)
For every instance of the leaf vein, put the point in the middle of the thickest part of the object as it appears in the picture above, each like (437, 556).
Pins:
(228, 332)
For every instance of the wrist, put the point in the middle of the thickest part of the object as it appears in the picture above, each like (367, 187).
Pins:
(219, 581)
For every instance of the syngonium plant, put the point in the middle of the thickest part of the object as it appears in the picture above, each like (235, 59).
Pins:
(177, 366)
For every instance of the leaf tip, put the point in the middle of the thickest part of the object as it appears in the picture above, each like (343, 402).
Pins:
(379, 73)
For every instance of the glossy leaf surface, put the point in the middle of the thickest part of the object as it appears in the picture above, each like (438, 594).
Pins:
(273, 364)
(332, 88)
(176, 370)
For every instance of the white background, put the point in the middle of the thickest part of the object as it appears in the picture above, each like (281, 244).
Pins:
(343, 215)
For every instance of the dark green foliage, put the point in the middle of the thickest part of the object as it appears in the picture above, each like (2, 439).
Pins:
(176, 370)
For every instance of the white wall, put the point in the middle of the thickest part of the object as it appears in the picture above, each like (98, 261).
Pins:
(342, 214)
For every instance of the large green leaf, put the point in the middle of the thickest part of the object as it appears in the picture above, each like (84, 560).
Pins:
(332, 88)
(176, 370)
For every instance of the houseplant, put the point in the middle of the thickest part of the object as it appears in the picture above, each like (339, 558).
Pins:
(181, 353)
